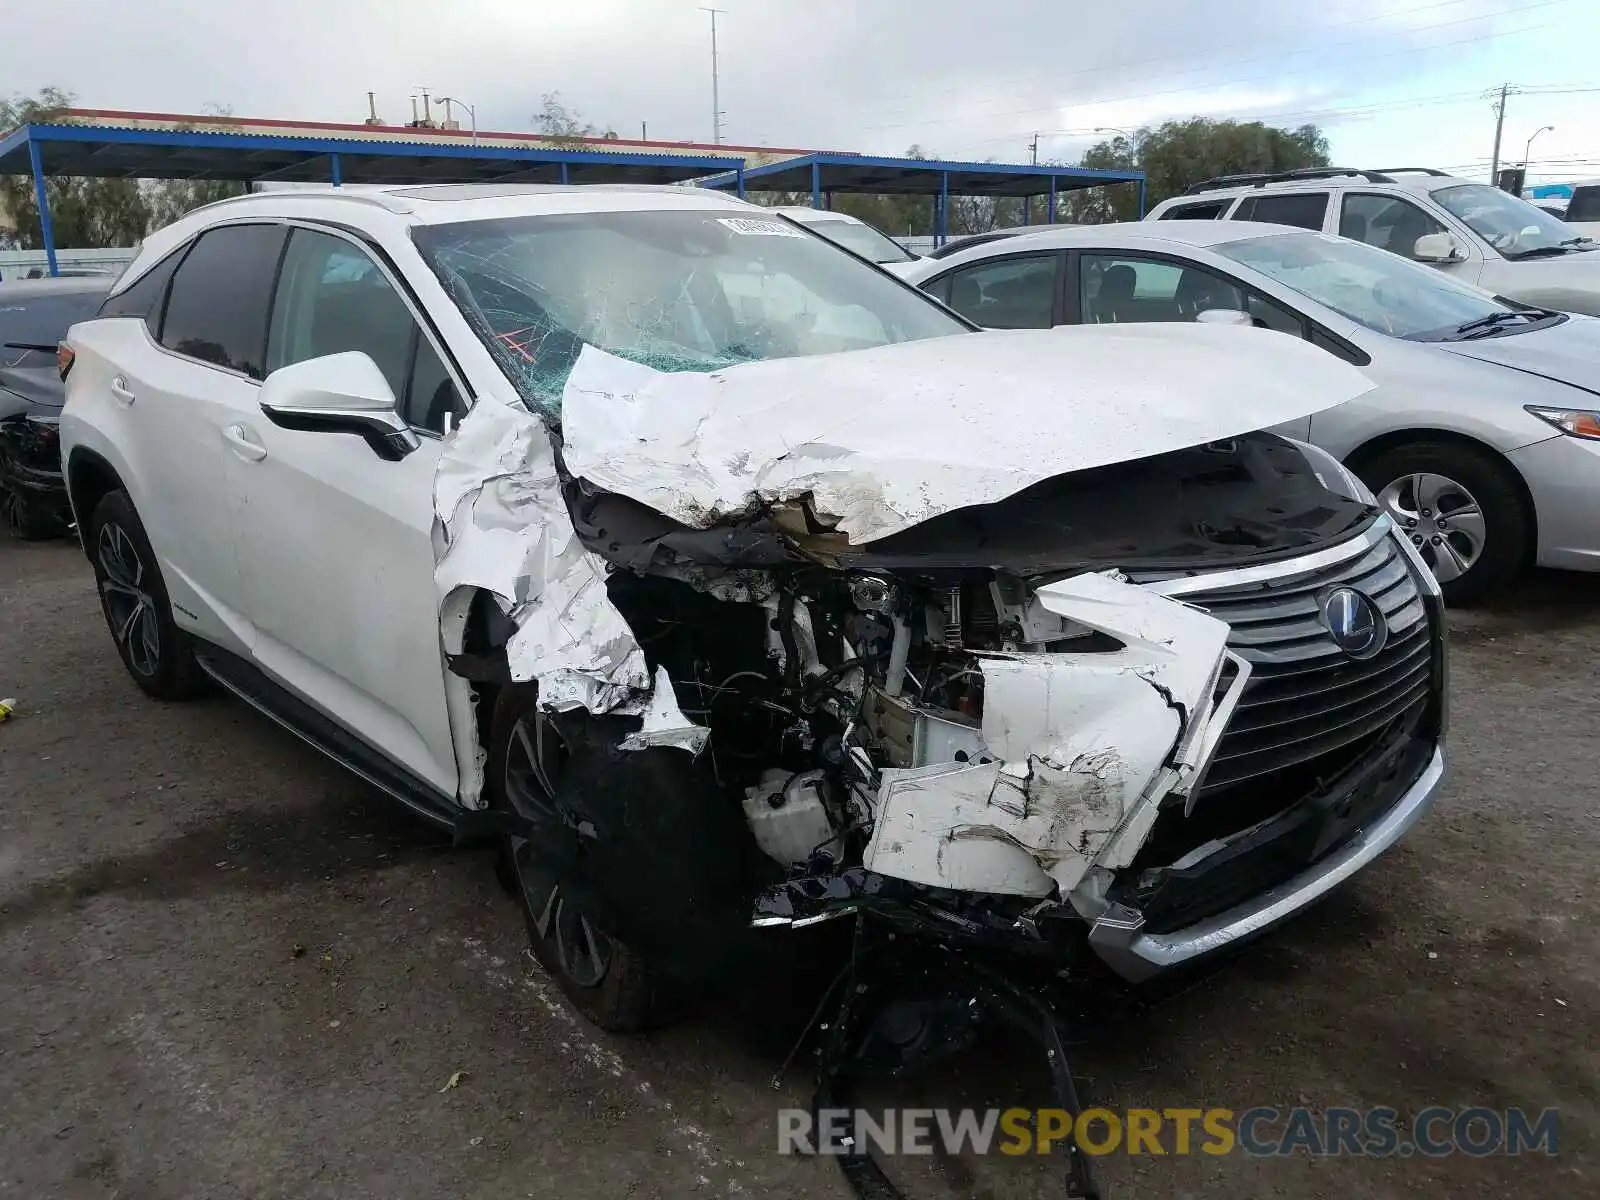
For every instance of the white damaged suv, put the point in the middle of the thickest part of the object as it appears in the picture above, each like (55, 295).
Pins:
(736, 585)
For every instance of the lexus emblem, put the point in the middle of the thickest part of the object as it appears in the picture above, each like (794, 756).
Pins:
(1356, 623)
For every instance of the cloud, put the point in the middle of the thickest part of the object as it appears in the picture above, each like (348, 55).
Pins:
(876, 75)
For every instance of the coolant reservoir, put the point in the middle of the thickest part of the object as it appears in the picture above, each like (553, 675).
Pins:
(787, 815)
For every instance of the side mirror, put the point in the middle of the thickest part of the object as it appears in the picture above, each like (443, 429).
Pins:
(1436, 247)
(338, 393)
(1223, 316)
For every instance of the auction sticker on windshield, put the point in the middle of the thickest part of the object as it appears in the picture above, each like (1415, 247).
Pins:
(756, 227)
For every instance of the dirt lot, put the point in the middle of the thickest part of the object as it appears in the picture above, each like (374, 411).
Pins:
(232, 970)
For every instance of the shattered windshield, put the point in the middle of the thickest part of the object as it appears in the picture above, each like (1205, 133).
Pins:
(677, 290)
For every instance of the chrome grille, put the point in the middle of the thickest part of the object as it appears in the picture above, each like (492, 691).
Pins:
(1306, 698)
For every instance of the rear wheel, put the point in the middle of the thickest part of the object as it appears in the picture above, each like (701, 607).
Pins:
(605, 979)
(1462, 508)
(133, 598)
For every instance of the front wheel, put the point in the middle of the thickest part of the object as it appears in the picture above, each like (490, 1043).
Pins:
(1462, 508)
(606, 979)
(26, 520)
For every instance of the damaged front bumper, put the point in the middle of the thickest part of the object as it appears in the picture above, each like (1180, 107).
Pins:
(1120, 937)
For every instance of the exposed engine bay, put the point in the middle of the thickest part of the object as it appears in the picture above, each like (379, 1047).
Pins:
(836, 676)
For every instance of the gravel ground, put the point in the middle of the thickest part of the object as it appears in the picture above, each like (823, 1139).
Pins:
(232, 970)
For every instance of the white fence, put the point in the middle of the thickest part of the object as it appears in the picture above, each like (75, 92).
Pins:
(23, 264)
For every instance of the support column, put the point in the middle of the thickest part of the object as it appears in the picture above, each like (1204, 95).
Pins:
(739, 179)
(42, 199)
(334, 171)
(1051, 220)
(566, 174)
(816, 186)
(943, 232)
(1141, 199)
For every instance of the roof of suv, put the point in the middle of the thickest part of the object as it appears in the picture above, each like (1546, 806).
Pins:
(1127, 233)
(1418, 180)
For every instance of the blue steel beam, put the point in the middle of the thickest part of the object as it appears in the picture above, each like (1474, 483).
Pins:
(42, 199)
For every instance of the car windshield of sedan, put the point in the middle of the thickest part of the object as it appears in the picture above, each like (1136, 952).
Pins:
(869, 243)
(1509, 223)
(1372, 287)
(675, 290)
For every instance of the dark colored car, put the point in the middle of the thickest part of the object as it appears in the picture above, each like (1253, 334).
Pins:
(34, 315)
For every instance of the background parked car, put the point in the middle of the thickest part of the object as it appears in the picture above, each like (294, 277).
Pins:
(1477, 233)
(1483, 436)
(854, 234)
(34, 316)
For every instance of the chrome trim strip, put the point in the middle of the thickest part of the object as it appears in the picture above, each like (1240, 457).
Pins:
(1117, 937)
(1213, 581)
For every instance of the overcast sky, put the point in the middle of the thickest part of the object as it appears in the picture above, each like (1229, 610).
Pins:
(1393, 82)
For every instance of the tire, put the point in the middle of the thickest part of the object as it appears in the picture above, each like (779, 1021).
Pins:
(607, 980)
(25, 521)
(133, 598)
(1432, 489)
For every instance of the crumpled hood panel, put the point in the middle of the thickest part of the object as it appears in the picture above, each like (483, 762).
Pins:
(886, 438)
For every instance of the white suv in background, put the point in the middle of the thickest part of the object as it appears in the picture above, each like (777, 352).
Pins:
(1478, 233)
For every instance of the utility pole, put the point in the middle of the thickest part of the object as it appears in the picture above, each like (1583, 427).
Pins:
(1033, 151)
(644, 131)
(716, 99)
(1499, 124)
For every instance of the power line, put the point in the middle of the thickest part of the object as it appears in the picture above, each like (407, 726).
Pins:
(1214, 84)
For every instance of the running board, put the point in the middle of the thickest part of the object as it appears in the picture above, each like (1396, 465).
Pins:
(320, 731)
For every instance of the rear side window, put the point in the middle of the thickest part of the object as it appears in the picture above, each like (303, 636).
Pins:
(1305, 209)
(1006, 293)
(1584, 205)
(1207, 210)
(147, 294)
(217, 309)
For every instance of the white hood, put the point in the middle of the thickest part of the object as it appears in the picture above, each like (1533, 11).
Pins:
(888, 438)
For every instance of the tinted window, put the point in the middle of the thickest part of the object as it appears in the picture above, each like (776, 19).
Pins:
(1305, 209)
(217, 309)
(41, 320)
(332, 298)
(1584, 205)
(1006, 293)
(1114, 290)
(145, 296)
(1386, 222)
(1208, 210)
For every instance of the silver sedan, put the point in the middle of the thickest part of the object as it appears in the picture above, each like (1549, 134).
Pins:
(1482, 437)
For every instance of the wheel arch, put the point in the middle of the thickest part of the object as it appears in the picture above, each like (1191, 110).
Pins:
(1359, 458)
(89, 478)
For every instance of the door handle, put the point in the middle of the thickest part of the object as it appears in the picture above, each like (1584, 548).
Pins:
(120, 391)
(244, 443)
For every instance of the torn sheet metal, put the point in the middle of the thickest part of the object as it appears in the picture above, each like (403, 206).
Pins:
(664, 722)
(507, 529)
(1085, 746)
(883, 439)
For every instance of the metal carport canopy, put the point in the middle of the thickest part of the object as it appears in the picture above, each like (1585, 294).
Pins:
(99, 151)
(824, 174)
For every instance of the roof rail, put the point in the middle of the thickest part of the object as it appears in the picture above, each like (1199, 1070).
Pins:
(1259, 179)
(1438, 174)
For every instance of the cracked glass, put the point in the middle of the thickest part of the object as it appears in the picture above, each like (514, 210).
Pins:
(676, 290)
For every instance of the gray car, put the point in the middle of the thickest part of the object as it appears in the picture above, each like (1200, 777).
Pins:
(1483, 436)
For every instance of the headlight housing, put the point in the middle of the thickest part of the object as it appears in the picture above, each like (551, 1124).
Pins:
(1574, 422)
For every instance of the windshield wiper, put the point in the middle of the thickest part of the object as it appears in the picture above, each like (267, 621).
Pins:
(1494, 320)
(1580, 240)
(1543, 251)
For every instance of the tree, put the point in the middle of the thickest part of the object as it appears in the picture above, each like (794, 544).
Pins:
(85, 213)
(1180, 153)
(562, 126)
(169, 199)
